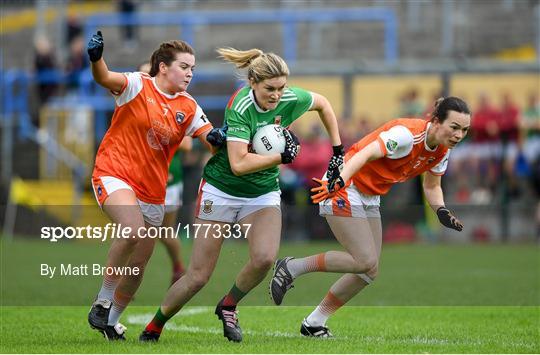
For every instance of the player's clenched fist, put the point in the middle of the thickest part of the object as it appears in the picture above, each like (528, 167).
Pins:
(292, 147)
(95, 47)
(335, 165)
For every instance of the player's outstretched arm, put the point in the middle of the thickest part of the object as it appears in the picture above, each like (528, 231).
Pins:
(370, 152)
(108, 79)
(327, 189)
(434, 196)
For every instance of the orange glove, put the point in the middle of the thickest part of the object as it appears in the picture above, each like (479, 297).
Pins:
(326, 189)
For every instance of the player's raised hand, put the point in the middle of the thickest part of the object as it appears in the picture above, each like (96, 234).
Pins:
(326, 189)
(95, 47)
(448, 220)
(292, 147)
(336, 162)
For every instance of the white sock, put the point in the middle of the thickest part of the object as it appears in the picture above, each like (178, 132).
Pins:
(107, 288)
(317, 318)
(114, 315)
(119, 303)
(302, 266)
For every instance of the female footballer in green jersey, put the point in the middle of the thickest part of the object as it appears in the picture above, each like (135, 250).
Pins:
(240, 189)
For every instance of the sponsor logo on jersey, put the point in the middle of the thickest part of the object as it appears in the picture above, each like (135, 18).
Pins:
(150, 100)
(260, 124)
(207, 206)
(180, 117)
(340, 203)
(391, 145)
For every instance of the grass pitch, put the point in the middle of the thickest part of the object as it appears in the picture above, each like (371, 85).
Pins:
(428, 298)
(270, 330)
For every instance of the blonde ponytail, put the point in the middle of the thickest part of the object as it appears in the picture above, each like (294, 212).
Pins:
(260, 66)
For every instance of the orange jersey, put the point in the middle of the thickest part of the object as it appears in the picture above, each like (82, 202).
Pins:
(406, 155)
(146, 129)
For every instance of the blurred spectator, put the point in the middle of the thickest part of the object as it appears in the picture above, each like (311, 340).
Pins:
(313, 158)
(509, 128)
(74, 29)
(77, 62)
(353, 129)
(144, 67)
(313, 162)
(44, 66)
(431, 105)
(486, 145)
(126, 9)
(530, 124)
(509, 119)
(410, 106)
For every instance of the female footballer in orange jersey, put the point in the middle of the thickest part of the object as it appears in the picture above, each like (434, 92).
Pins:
(153, 113)
(395, 152)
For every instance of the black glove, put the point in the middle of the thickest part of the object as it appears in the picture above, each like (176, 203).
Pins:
(448, 220)
(336, 184)
(292, 147)
(336, 162)
(95, 47)
(217, 136)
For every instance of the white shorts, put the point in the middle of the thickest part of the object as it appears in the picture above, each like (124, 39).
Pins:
(349, 202)
(104, 186)
(173, 197)
(216, 205)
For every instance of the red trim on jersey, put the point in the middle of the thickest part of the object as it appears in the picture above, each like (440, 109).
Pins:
(231, 100)
(198, 203)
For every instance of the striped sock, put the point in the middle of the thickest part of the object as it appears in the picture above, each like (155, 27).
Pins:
(233, 297)
(108, 286)
(301, 266)
(158, 322)
(329, 305)
(119, 303)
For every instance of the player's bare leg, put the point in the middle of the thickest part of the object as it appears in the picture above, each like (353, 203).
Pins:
(204, 256)
(173, 247)
(123, 210)
(343, 290)
(353, 233)
(263, 238)
(129, 283)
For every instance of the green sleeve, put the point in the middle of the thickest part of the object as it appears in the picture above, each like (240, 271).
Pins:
(304, 102)
(238, 125)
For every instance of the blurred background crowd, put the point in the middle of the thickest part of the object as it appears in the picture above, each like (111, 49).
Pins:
(375, 60)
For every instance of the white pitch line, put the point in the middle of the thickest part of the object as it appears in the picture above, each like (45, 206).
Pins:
(143, 319)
